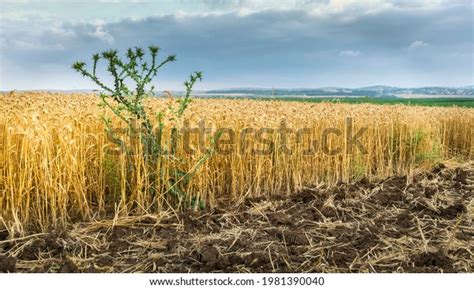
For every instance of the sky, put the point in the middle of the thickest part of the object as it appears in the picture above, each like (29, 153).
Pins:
(245, 43)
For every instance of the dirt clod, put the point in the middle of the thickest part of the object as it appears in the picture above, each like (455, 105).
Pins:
(453, 211)
(295, 238)
(461, 176)
(3, 235)
(279, 219)
(209, 255)
(67, 266)
(7, 264)
(433, 260)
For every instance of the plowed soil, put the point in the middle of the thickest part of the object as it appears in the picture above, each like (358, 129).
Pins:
(400, 224)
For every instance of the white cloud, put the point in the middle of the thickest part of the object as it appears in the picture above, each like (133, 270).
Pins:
(32, 46)
(417, 44)
(116, 10)
(351, 53)
(101, 34)
(328, 7)
(24, 16)
(261, 48)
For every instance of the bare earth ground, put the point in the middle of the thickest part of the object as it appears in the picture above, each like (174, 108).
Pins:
(422, 224)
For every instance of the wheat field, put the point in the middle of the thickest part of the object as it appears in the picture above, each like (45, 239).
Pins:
(57, 164)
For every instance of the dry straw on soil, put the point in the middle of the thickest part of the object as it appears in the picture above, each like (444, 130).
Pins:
(55, 166)
(418, 224)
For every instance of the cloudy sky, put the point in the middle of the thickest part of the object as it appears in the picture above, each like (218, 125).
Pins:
(245, 43)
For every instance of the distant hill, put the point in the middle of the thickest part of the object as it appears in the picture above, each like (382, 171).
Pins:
(371, 91)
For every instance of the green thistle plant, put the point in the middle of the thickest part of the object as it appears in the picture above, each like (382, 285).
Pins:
(128, 105)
